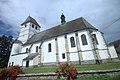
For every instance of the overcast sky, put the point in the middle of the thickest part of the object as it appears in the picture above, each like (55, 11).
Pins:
(103, 14)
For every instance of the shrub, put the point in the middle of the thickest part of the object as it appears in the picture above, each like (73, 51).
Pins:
(10, 72)
(66, 70)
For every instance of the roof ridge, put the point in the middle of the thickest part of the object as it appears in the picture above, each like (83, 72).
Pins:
(68, 27)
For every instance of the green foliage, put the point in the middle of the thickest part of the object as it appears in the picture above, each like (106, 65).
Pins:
(10, 72)
(67, 70)
(5, 49)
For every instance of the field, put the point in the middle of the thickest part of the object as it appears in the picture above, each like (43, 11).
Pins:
(45, 69)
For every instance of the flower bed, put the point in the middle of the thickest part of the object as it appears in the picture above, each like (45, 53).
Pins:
(67, 70)
(10, 73)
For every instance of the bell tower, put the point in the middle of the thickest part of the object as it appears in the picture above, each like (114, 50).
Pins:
(28, 28)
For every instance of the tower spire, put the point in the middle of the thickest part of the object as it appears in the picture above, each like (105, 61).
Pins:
(62, 18)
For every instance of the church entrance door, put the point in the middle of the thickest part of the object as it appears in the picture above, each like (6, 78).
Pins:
(27, 63)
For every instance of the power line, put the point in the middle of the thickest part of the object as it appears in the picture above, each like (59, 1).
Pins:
(109, 25)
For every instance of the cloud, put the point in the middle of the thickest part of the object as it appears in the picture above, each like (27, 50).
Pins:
(99, 13)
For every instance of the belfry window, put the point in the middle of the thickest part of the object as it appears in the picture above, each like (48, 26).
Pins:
(32, 25)
(49, 47)
(36, 27)
(36, 48)
(72, 40)
(84, 40)
(63, 55)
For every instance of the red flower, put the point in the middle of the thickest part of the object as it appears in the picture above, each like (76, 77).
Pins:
(67, 71)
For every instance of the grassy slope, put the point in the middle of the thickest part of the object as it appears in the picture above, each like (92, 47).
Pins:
(45, 69)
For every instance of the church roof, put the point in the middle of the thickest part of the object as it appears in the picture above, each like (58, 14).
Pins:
(30, 19)
(31, 56)
(69, 27)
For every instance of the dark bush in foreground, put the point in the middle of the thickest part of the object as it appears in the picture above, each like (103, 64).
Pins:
(10, 73)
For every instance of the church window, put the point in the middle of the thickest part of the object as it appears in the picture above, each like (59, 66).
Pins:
(25, 26)
(84, 40)
(94, 38)
(49, 47)
(63, 55)
(72, 40)
(36, 48)
(36, 27)
(32, 25)
(26, 49)
(12, 63)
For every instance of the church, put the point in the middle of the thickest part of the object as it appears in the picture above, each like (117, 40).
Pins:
(76, 42)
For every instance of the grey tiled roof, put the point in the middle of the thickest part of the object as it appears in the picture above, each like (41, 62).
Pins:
(18, 41)
(69, 27)
(31, 56)
(30, 19)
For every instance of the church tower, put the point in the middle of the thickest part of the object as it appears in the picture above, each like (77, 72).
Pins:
(28, 28)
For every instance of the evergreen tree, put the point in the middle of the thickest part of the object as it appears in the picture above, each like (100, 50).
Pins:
(5, 49)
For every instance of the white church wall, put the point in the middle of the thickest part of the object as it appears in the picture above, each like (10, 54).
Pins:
(16, 48)
(49, 56)
(30, 62)
(33, 48)
(103, 54)
(24, 48)
(100, 39)
(88, 55)
(84, 47)
(17, 59)
(74, 57)
(35, 61)
(112, 51)
(72, 50)
(61, 48)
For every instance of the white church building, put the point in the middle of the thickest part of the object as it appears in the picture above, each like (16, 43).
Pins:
(76, 42)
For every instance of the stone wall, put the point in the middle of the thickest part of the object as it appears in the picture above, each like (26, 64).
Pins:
(53, 76)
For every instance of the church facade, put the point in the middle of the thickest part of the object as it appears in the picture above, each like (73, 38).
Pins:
(76, 42)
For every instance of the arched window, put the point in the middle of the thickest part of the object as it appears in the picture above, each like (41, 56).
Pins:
(49, 47)
(26, 49)
(36, 27)
(72, 40)
(32, 25)
(84, 40)
(36, 48)
(94, 38)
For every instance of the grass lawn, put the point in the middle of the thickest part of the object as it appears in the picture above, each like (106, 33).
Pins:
(45, 69)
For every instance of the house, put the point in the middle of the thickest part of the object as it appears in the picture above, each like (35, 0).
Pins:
(76, 42)
(116, 46)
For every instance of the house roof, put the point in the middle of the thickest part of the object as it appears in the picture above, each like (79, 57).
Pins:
(69, 27)
(115, 42)
(30, 19)
(31, 56)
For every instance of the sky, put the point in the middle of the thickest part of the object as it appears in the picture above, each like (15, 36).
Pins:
(102, 14)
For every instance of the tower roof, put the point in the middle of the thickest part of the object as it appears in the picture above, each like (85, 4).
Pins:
(30, 19)
(69, 27)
